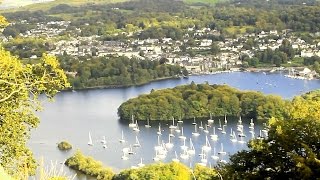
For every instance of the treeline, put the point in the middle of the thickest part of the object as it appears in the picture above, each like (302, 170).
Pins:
(199, 100)
(173, 170)
(117, 71)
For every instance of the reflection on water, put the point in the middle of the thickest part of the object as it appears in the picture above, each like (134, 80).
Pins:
(74, 114)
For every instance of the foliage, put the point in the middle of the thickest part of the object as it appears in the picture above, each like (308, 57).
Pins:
(199, 100)
(117, 71)
(160, 171)
(4, 175)
(21, 86)
(205, 173)
(64, 145)
(291, 150)
(89, 166)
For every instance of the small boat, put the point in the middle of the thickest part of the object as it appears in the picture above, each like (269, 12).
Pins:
(124, 156)
(220, 126)
(204, 159)
(234, 137)
(141, 164)
(122, 140)
(148, 124)
(130, 150)
(159, 146)
(225, 120)
(90, 143)
(169, 144)
(191, 151)
(210, 121)
(159, 130)
(195, 133)
(224, 129)
(125, 150)
(214, 156)
(137, 127)
(231, 133)
(222, 152)
(156, 158)
(184, 147)
(184, 155)
(137, 143)
(241, 141)
(132, 124)
(173, 125)
(103, 140)
(214, 136)
(177, 130)
(175, 159)
(206, 129)
(201, 126)
(182, 136)
(260, 137)
(207, 146)
(194, 121)
(251, 123)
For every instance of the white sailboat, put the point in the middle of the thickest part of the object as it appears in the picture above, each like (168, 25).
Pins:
(214, 136)
(206, 129)
(225, 120)
(210, 121)
(159, 130)
(234, 137)
(156, 157)
(214, 156)
(191, 151)
(241, 141)
(224, 129)
(231, 132)
(182, 136)
(172, 126)
(184, 155)
(184, 147)
(141, 163)
(103, 140)
(251, 123)
(90, 143)
(169, 144)
(260, 135)
(195, 133)
(204, 159)
(175, 159)
(207, 146)
(124, 156)
(177, 129)
(132, 124)
(137, 127)
(137, 143)
(220, 126)
(148, 124)
(158, 147)
(194, 121)
(122, 140)
(201, 126)
(130, 151)
(222, 152)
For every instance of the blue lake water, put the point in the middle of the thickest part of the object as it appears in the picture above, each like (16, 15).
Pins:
(74, 114)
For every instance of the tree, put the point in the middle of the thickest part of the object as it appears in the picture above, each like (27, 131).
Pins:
(20, 87)
(215, 49)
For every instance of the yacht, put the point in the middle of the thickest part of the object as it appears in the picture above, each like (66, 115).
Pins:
(90, 143)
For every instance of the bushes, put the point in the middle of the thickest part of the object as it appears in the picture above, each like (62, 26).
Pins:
(89, 166)
(64, 145)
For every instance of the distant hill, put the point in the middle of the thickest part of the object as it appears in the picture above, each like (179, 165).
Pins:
(201, 1)
(50, 4)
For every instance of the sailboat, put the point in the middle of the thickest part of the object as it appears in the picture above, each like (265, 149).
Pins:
(122, 140)
(222, 160)
(214, 136)
(141, 164)
(159, 146)
(204, 159)
(184, 155)
(130, 151)
(169, 144)
(182, 136)
(191, 151)
(90, 140)
(231, 133)
(225, 120)
(207, 146)
(214, 156)
(124, 156)
(175, 159)
(178, 129)
(224, 129)
(260, 135)
(195, 133)
(156, 158)
(137, 127)
(148, 124)
(184, 147)
(233, 137)
(241, 141)
(103, 140)
(220, 126)
(201, 126)
(221, 150)
(173, 125)
(132, 124)
(251, 123)
(194, 121)
(137, 143)
(159, 130)
(210, 120)
(206, 129)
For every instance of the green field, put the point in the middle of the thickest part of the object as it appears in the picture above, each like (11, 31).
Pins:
(48, 5)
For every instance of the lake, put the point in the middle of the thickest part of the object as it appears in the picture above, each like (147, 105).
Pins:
(74, 114)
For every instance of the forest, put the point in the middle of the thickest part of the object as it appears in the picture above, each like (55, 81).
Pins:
(117, 71)
(199, 100)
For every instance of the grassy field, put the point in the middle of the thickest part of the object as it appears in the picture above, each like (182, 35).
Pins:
(48, 5)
